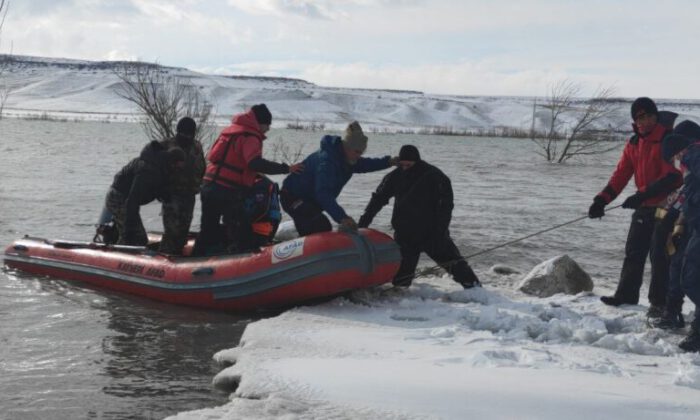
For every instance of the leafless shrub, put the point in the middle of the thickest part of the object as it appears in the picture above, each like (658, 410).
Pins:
(4, 6)
(5, 90)
(311, 126)
(5, 87)
(560, 141)
(164, 98)
(282, 151)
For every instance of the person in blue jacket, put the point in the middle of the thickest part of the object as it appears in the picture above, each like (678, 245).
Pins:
(307, 195)
(683, 146)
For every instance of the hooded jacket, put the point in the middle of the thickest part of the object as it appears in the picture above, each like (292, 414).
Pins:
(326, 172)
(423, 203)
(691, 182)
(143, 180)
(236, 156)
(642, 158)
(188, 180)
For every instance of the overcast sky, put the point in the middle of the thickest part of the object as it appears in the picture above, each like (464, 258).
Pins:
(643, 48)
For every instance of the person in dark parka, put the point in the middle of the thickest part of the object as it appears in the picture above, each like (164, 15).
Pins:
(423, 203)
(179, 208)
(684, 146)
(141, 181)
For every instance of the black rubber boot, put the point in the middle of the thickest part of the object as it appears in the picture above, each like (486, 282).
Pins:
(469, 285)
(611, 300)
(668, 321)
(691, 343)
(655, 312)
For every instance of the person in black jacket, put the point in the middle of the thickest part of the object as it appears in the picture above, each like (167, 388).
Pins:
(141, 181)
(423, 204)
(177, 211)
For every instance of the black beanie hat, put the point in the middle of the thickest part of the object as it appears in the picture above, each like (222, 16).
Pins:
(262, 114)
(672, 144)
(643, 104)
(186, 126)
(410, 153)
(683, 135)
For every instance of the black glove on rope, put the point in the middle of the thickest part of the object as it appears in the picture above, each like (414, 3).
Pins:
(597, 209)
(634, 201)
(662, 186)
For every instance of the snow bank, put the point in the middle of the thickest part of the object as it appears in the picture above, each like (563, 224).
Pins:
(437, 352)
(84, 90)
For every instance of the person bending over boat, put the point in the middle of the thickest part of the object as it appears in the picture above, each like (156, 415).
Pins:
(179, 208)
(234, 161)
(141, 181)
(423, 203)
(305, 196)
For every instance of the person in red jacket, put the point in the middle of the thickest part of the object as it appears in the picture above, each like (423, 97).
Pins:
(233, 163)
(655, 179)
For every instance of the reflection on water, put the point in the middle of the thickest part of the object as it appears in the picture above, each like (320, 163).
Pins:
(83, 353)
(162, 353)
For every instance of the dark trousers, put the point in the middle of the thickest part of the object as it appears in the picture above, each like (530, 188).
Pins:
(674, 297)
(177, 218)
(221, 204)
(442, 250)
(646, 237)
(690, 274)
(128, 235)
(308, 216)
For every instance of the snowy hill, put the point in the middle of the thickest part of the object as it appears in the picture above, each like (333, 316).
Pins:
(85, 90)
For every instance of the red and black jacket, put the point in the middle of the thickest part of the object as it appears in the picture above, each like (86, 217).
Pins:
(642, 158)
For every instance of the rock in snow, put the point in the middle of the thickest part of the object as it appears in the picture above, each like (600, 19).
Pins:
(559, 275)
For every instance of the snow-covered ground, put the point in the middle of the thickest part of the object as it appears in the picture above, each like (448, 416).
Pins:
(84, 90)
(435, 351)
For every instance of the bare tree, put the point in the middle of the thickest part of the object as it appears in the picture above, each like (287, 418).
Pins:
(5, 87)
(282, 151)
(572, 126)
(164, 98)
(5, 90)
(4, 5)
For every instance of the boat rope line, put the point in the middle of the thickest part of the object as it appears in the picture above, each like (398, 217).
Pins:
(446, 264)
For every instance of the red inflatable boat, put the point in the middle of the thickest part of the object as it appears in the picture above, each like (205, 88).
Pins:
(281, 275)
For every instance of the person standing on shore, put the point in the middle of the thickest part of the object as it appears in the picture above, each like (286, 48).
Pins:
(683, 146)
(654, 179)
(423, 203)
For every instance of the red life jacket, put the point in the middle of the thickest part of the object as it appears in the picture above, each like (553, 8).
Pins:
(235, 147)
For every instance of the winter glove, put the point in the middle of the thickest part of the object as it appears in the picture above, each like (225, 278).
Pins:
(296, 168)
(597, 209)
(674, 239)
(348, 225)
(634, 201)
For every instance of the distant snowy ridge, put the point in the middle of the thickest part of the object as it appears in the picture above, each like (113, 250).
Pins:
(85, 89)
